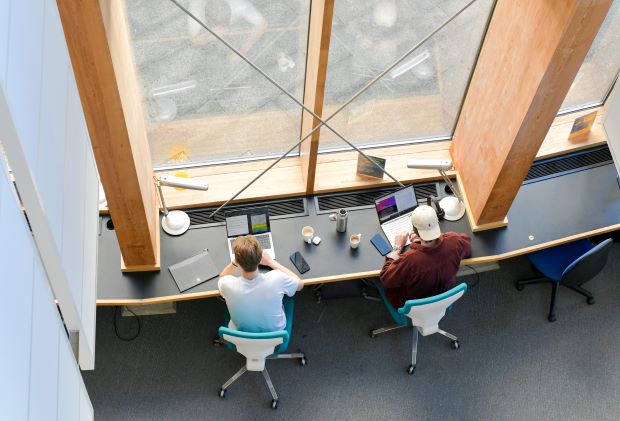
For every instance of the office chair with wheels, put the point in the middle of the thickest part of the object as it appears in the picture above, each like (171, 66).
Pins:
(258, 347)
(571, 265)
(424, 315)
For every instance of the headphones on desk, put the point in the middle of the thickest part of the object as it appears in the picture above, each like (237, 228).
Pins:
(433, 203)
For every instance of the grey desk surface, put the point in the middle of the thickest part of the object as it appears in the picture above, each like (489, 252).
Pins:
(544, 213)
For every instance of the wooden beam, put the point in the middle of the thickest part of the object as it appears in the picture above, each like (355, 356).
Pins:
(530, 56)
(98, 44)
(319, 33)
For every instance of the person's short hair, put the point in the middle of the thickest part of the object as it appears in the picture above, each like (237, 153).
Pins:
(248, 252)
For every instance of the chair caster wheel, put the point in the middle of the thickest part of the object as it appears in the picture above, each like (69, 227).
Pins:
(456, 344)
(552, 318)
(411, 369)
(591, 300)
(371, 334)
(519, 287)
(274, 404)
(303, 361)
(222, 393)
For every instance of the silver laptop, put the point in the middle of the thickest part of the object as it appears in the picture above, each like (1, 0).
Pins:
(394, 212)
(253, 221)
(194, 270)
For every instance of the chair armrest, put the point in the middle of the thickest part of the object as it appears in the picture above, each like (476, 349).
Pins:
(404, 310)
(253, 335)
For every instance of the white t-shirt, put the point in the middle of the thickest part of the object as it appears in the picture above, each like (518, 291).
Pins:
(256, 305)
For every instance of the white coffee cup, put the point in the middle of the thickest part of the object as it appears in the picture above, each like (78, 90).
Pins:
(308, 233)
(355, 240)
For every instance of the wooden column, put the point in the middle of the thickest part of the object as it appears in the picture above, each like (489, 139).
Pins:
(319, 33)
(530, 56)
(98, 41)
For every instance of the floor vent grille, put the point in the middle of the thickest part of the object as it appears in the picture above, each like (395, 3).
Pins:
(366, 198)
(574, 162)
(284, 208)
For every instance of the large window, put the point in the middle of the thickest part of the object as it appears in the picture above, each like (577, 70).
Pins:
(202, 103)
(422, 96)
(205, 105)
(600, 67)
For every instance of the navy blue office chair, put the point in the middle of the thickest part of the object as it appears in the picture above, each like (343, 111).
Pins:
(258, 347)
(571, 265)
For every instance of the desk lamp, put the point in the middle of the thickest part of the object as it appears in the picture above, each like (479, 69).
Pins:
(176, 222)
(453, 206)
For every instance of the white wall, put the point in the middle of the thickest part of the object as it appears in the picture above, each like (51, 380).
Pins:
(39, 377)
(44, 133)
(611, 124)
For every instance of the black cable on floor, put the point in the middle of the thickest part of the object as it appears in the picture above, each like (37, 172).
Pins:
(116, 314)
(477, 278)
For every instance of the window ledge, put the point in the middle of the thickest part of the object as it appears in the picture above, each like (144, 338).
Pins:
(337, 171)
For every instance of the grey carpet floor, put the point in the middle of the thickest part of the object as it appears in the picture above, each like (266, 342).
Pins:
(512, 363)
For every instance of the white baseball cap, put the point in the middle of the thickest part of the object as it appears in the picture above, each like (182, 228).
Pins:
(424, 219)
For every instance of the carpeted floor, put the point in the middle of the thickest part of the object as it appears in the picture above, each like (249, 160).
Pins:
(512, 363)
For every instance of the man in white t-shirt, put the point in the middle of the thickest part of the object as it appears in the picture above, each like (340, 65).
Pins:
(255, 300)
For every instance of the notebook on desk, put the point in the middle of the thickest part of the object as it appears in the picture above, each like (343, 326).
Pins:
(394, 212)
(194, 270)
(254, 221)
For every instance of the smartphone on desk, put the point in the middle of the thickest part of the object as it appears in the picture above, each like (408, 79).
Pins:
(299, 262)
(381, 244)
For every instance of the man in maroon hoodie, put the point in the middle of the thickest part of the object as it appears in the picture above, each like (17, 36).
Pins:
(430, 265)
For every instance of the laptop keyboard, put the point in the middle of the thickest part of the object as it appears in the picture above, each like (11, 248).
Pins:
(392, 228)
(263, 240)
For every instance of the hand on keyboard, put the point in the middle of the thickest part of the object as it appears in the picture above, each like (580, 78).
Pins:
(266, 260)
(401, 239)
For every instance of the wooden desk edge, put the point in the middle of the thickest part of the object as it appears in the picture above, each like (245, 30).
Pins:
(359, 275)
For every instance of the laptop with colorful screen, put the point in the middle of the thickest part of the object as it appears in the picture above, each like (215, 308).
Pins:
(394, 212)
(253, 221)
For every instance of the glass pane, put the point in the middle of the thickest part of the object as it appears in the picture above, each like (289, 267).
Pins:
(600, 66)
(202, 102)
(421, 97)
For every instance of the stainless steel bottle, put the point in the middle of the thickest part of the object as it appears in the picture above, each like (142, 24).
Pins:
(341, 220)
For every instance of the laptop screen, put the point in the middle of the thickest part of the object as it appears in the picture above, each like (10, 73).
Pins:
(247, 221)
(395, 204)
(258, 223)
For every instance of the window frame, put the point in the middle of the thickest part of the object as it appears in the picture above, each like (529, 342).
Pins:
(292, 168)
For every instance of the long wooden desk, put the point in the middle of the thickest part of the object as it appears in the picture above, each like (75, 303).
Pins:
(545, 213)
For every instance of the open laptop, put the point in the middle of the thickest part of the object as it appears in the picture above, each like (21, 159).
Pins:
(253, 221)
(394, 212)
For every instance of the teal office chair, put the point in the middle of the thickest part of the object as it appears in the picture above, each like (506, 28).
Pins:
(258, 347)
(571, 265)
(424, 315)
